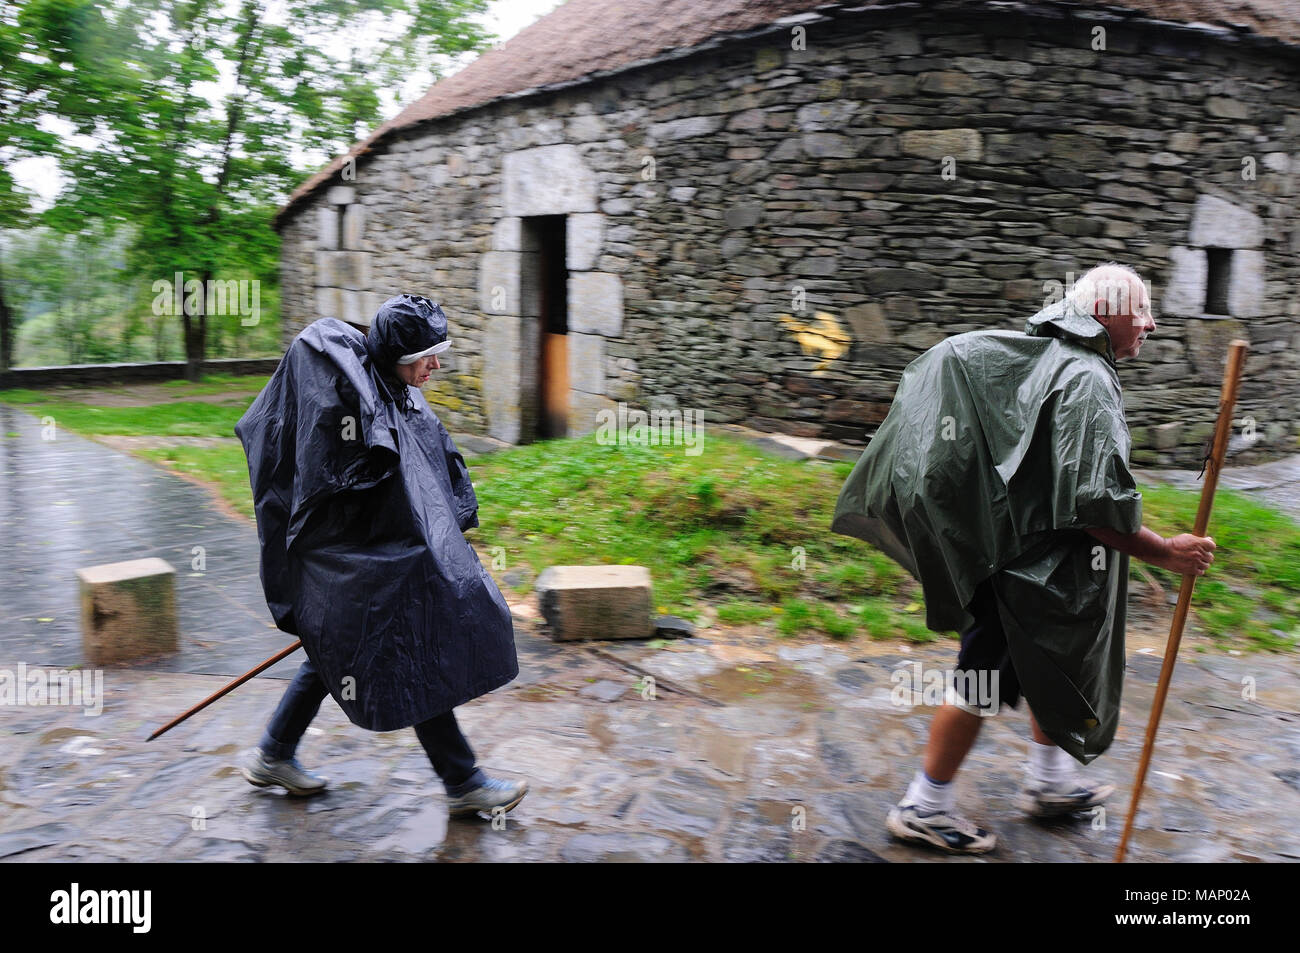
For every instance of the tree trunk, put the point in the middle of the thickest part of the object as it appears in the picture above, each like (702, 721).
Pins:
(6, 332)
(196, 331)
(194, 328)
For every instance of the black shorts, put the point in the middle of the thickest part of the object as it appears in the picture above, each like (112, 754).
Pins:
(984, 652)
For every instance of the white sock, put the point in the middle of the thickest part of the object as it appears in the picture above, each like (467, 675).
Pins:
(1049, 764)
(930, 795)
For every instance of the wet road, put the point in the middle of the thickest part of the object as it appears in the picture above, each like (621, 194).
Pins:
(789, 753)
(761, 750)
(69, 502)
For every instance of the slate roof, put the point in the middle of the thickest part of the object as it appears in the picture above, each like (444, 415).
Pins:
(584, 39)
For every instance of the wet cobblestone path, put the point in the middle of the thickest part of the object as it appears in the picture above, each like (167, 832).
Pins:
(761, 750)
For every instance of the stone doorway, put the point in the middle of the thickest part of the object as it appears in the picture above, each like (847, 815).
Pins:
(547, 235)
(544, 362)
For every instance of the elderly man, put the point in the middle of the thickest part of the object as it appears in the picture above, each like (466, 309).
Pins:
(362, 503)
(1000, 480)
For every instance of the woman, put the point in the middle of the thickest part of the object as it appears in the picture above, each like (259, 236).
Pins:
(362, 501)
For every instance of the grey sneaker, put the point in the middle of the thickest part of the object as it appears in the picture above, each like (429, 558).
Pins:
(948, 832)
(290, 775)
(1054, 800)
(492, 794)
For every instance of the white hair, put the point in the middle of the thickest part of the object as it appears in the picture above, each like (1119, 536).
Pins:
(1112, 284)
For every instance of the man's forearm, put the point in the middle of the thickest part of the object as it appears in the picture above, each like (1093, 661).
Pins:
(1145, 545)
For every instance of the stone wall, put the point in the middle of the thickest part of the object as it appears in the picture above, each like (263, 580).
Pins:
(817, 218)
(94, 375)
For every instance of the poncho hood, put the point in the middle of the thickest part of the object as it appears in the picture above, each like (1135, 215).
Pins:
(1064, 320)
(404, 324)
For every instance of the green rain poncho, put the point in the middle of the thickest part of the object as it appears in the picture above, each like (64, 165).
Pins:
(999, 449)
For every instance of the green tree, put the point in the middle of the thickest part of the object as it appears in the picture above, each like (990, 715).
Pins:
(199, 176)
(59, 59)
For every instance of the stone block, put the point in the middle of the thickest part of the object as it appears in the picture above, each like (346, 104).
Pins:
(507, 234)
(869, 324)
(583, 603)
(585, 233)
(586, 362)
(828, 145)
(1167, 436)
(1188, 274)
(961, 144)
(354, 224)
(547, 180)
(1207, 345)
(1223, 108)
(341, 195)
(1277, 162)
(690, 127)
(343, 269)
(816, 117)
(1014, 148)
(596, 303)
(1246, 289)
(949, 83)
(128, 611)
(369, 304)
(327, 227)
(354, 307)
(1220, 224)
(510, 375)
(329, 303)
(742, 214)
(498, 282)
(585, 412)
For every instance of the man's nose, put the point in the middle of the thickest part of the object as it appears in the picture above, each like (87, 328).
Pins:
(436, 365)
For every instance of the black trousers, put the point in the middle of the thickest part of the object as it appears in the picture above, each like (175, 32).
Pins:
(984, 650)
(448, 751)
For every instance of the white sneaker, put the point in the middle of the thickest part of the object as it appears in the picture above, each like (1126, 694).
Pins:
(290, 775)
(947, 832)
(1066, 797)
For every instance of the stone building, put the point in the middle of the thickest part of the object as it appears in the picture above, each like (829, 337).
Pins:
(764, 209)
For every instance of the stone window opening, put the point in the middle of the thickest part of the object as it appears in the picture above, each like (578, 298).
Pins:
(1219, 275)
(1217, 279)
(340, 211)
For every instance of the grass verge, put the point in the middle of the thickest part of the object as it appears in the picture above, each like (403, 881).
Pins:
(732, 534)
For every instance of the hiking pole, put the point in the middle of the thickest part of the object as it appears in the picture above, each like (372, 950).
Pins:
(1227, 398)
(228, 689)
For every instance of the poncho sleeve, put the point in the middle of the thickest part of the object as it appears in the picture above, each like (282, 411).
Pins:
(343, 440)
(315, 430)
(1075, 473)
(461, 487)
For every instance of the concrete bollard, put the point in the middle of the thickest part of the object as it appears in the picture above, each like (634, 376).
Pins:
(128, 611)
(596, 602)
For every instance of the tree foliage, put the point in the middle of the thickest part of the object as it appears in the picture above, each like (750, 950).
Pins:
(192, 120)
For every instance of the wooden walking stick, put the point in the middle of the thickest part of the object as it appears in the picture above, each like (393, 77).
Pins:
(1227, 399)
(228, 689)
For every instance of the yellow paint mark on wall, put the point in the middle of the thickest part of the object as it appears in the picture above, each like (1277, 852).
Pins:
(823, 336)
